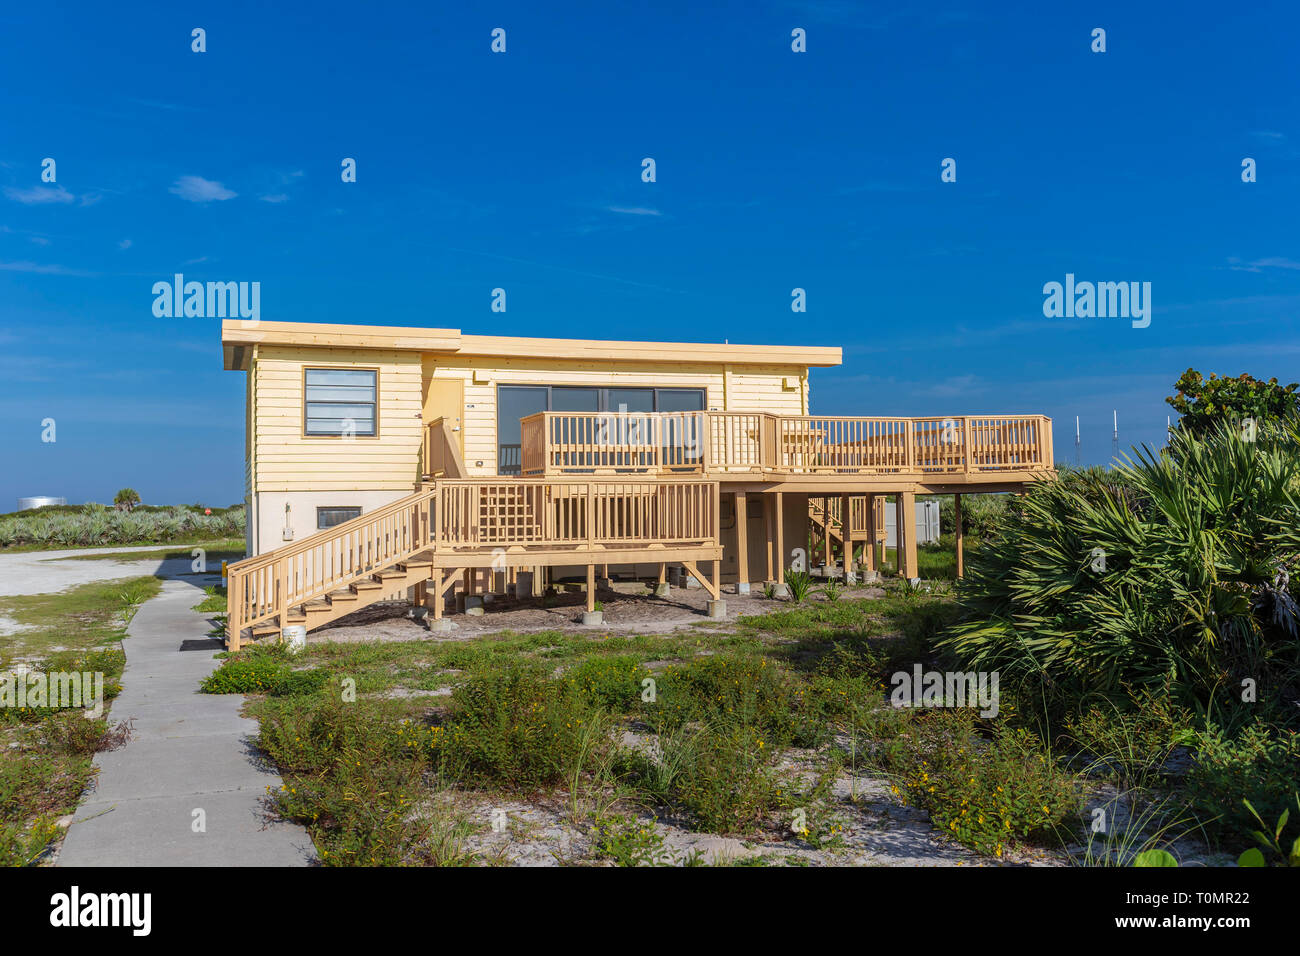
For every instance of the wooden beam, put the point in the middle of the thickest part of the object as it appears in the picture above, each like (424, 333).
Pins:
(846, 533)
(767, 535)
(711, 586)
(742, 543)
(957, 535)
(440, 584)
(780, 540)
(905, 539)
(591, 587)
(869, 552)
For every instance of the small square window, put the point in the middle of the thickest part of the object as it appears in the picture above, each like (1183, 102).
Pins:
(329, 517)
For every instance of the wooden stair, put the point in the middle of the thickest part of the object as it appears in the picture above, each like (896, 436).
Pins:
(359, 594)
(828, 523)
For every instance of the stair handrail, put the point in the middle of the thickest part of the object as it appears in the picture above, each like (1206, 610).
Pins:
(278, 602)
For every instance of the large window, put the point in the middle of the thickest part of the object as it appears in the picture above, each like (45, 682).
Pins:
(519, 401)
(340, 401)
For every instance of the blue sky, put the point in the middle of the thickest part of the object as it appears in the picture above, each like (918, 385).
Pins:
(522, 170)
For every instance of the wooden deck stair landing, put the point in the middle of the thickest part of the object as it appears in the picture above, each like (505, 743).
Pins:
(460, 523)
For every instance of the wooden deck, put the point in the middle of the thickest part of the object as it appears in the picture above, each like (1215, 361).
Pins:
(458, 524)
(750, 446)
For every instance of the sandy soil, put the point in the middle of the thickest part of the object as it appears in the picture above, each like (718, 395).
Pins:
(629, 608)
(42, 572)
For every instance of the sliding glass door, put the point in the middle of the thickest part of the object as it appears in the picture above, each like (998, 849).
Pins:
(519, 401)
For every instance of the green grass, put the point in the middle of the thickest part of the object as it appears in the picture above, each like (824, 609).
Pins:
(393, 776)
(78, 619)
(221, 549)
(535, 714)
(46, 756)
(934, 562)
(214, 601)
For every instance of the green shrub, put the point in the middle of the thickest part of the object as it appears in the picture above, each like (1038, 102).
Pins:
(354, 776)
(984, 793)
(95, 525)
(73, 733)
(981, 516)
(1205, 403)
(292, 683)
(256, 674)
(1169, 571)
(1130, 745)
(799, 584)
(22, 843)
(514, 727)
(730, 689)
(726, 781)
(611, 683)
(1258, 765)
(629, 841)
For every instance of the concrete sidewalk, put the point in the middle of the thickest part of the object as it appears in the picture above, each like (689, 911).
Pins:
(189, 752)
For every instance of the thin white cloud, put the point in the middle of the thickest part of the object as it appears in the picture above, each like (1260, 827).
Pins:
(41, 269)
(274, 197)
(198, 189)
(124, 244)
(634, 210)
(1259, 265)
(40, 195)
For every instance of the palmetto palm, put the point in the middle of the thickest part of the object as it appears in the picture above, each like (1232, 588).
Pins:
(1173, 569)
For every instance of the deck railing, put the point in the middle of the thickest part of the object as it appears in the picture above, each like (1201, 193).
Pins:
(477, 515)
(487, 513)
(263, 587)
(558, 443)
(612, 442)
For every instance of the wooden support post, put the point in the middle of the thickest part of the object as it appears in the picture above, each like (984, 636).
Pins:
(663, 573)
(440, 583)
(780, 540)
(767, 535)
(742, 544)
(846, 534)
(869, 552)
(905, 551)
(957, 536)
(591, 587)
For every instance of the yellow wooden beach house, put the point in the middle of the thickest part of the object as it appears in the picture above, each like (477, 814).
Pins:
(384, 461)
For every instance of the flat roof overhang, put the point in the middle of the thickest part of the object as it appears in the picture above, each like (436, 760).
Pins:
(238, 336)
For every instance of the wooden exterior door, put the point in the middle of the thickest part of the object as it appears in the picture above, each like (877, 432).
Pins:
(445, 398)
